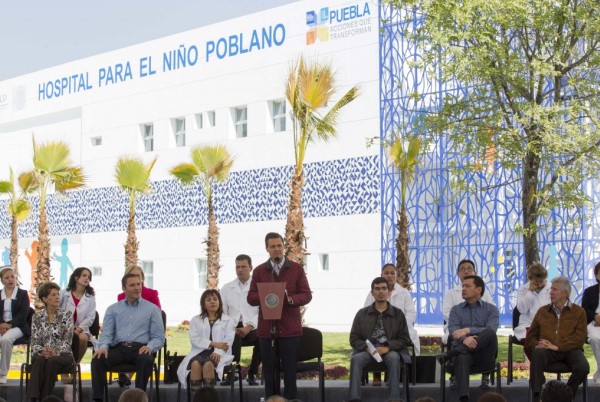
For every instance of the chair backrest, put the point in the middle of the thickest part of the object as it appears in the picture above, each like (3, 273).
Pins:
(311, 344)
(95, 327)
(515, 317)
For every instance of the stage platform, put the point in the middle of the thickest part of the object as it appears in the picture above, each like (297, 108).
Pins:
(308, 391)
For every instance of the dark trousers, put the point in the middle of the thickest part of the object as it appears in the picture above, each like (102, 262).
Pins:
(44, 372)
(287, 351)
(249, 340)
(120, 355)
(542, 358)
(483, 355)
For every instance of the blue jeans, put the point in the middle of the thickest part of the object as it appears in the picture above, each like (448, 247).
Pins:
(359, 360)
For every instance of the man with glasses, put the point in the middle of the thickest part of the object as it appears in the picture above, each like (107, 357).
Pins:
(454, 297)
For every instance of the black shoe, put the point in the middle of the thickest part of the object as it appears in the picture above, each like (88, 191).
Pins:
(442, 358)
(251, 380)
(485, 383)
(453, 384)
(124, 380)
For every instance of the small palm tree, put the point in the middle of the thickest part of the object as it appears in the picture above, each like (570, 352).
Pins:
(309, 88)
(52, 167)
(405, 160)
(210, 164)
(19, 209)
(133, 176)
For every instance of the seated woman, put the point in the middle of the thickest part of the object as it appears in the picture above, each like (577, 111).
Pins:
(531, 296)
(51, 335)
(590, 304)
(14, 306)
(211, 335)
(79, 298)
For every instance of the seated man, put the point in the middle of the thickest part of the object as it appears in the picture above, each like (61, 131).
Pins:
(132, 332)
(531, 296)
(472, 326)
(384, 327)
(557, 334)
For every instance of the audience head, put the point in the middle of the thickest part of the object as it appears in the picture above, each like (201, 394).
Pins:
(425, 399)
(276, 398)
(465, 267)
(209, 295)
(206, 395)
(51, 398)
(47, 290)
(377, 281)
(596, 271)
(556, 391)
(133, 395)
(560, 290)
(7, 276)
(491, 397)
(76, 275)
(477, 282)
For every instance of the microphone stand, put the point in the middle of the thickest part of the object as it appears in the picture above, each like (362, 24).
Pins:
(275, 359)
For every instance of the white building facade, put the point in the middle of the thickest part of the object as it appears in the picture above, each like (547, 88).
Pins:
(220, 84)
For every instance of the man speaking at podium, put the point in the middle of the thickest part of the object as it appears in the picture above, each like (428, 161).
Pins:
(289, 328)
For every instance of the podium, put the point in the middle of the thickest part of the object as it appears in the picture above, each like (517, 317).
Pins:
(272, 297)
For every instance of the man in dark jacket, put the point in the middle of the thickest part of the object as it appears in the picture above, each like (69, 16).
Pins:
(378, 331)
(289, 328)
(557, 334)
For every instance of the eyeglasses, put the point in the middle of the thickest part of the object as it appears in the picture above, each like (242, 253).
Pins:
(469, 269)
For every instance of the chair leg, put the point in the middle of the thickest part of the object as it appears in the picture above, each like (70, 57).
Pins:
(443, 382)
(509, 374)
(585, 389)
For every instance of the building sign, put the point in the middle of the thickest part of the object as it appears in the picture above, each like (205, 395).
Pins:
(338, 23)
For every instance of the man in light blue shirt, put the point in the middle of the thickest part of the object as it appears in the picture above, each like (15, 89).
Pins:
(472, 327)
(132, 332)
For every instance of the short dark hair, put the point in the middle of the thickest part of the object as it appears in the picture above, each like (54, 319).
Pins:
(243, 257)
(378, 280)
(127, 276)
(389, 264)
(468, 261)
(478, 282)
(596, 269)
(556, 391)
(210, 292)
(272, 235)
(491, 397)
(133, 395)
(207, 395)
(44, 290)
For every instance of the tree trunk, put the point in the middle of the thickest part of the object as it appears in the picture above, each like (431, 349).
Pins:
(42, 273)
(402, 258)
(294, 228)
(531, 167)
(132, 244)
(212, 249)
(14, 247)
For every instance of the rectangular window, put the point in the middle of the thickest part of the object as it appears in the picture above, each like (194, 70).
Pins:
(324, 262)
(200, 121)
(201, 272)
(148, 137)
(241, 122)
(148, 268)
(278, 115)
(211, 118)
(96, 141)
(179, 126)
(96, 271)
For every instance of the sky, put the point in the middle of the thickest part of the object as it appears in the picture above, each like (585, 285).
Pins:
(38, 34)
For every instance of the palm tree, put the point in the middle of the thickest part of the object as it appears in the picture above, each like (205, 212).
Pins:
(133, 175)
(52, 166)
(19, 209)
(309, 88)
(405, 160)
(210, 164)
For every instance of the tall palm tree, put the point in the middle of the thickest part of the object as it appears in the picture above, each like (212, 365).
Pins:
(405, 160)
(19, 209)
(309, 88)
(52, 167)
(133, 176)
(210, 164)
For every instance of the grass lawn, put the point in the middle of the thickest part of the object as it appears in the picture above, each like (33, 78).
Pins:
(336, 349)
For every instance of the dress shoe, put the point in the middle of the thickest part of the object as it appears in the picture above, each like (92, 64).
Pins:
(485, 383)
(124, 380)
(251, 380)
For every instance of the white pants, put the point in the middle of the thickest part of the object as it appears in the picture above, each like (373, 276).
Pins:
(594, 340)
(6, 346)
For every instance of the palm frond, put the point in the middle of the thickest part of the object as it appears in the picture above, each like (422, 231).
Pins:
(133, 174)
(20, 209)
(185, 172)
(51, 157)
(69, 178)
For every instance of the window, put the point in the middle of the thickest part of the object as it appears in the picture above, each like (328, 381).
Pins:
(96, 141)
(96, 271)
(201, 272)
(148, 137)
(241, 122)
(148, 268)
(199, 120)
(278, 115)
(211, 118)
(179, 128)
(324, 262)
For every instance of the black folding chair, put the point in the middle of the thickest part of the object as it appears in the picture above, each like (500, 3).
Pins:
(311, 348)
(559, 368)
(512, 340)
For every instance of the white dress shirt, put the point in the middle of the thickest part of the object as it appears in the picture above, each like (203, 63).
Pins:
(528, 303)
(235, 304)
